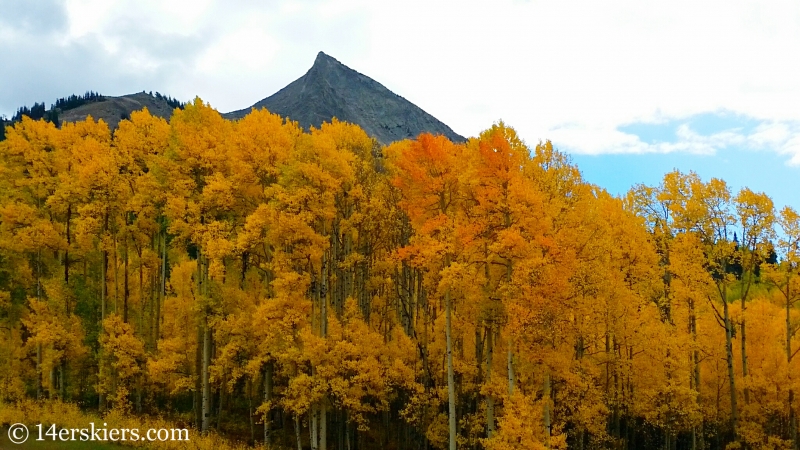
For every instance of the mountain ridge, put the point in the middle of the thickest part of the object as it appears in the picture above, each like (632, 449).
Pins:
(330, 89)
(114, 109)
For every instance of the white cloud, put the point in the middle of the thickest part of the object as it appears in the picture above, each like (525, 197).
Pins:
(599, 65)
(535, 64)
(250, 49)
(782, 137)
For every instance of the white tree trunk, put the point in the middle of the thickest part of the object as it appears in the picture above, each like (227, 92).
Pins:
(451, 385)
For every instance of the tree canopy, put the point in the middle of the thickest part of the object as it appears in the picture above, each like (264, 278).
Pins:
(316, 289)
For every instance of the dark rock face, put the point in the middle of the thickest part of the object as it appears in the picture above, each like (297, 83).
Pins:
(113, 109)
(331, 89)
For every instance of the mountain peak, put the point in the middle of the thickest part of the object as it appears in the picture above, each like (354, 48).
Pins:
(322, 57)
(330, 89)
(323, 62)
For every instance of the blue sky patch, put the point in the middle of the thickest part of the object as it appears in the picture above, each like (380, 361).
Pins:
(742, 150)
(651, 133)
(711, 123)
(759, 170)
(705, 124)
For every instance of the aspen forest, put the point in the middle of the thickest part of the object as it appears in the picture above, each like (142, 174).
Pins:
(313, 289)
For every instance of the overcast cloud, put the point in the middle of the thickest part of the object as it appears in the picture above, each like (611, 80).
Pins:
(571, 71)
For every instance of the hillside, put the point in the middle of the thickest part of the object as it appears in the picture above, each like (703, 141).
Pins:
(331, 89)
(114, 109)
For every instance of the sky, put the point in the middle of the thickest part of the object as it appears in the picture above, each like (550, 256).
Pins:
(630, 89)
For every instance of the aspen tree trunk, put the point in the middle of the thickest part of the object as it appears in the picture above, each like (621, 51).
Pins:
(249, 391)
(414, 298)
(114, 388)
(323, 301)
(221, 401)
(116, 276)
(697, 435)
(38, 370)
(103, 277)
(38, 344)
(489, 397)
(323, 426)
(341, 429)
(322, 295)
(139, 394)
(66, 252)
(510, 369)
(451, 385)
(792, 420)
(101, 397)
(62, 387)
(792, 417)
(268, 371)
(199, 387)
(125, 283)
(489, 349)
(744, 358)
(154, 288)
(198, 383)
(116, 311)
(731, 376)
(692, 382)
(546, 397)
(750, 269)
(608, 360)
(312, 429)
(346, 434)
(103, 299)
(206, 347)
(481, 332)
(38, 274)
(297, 432)
(163, 285)
(205, 378)
(53, 381)
(387, 429)
(510, 354)
(142, 307)
(617, 392)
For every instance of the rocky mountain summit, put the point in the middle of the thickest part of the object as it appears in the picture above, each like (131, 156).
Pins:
(331, 89)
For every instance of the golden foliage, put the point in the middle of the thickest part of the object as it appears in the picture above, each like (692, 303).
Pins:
(478, 294)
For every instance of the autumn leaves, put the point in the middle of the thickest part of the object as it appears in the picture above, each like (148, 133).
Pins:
(314, 289)
(715, 276)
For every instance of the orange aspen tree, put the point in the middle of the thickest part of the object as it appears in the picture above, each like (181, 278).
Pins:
(426, 171)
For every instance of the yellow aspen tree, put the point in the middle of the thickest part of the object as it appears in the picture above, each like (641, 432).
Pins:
(124, 353)
(784, 276)
(201, 196)
(756, 217)
(705, 209)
